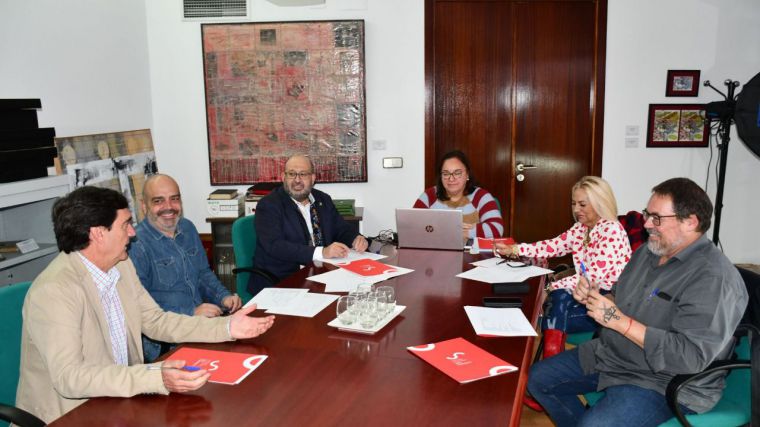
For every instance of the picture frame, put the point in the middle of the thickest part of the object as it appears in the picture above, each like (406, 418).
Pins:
(677, 125)
(275, 89)
(682, 83)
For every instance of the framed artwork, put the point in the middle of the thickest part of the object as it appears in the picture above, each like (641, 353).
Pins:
(276, 89)
(677, 125)
(682, 83)
(120, 161)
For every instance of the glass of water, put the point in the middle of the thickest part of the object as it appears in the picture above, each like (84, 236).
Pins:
(388, 296)
(365, 288)
(345, 309)
(368, 314)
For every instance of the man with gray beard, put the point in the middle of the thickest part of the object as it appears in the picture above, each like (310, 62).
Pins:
(673, 311)
(296, 224)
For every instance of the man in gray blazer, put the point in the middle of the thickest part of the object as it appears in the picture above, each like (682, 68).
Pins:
(85, 313)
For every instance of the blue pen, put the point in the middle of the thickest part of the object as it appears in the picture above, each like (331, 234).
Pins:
(188, 368)
(655, 291)
(584, 272)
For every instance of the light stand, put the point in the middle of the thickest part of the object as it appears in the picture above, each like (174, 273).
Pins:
(724, 112)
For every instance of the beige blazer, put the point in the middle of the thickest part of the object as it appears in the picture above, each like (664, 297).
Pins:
(66, 354)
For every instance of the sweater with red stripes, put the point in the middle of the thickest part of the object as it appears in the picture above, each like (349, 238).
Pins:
(478, 207)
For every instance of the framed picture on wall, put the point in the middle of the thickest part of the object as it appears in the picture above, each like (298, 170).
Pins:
(275, 89)
(682, 83)
(677, 125)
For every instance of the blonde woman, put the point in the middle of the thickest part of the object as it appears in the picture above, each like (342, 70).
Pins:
(600, 250)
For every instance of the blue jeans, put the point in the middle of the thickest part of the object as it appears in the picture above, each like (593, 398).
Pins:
(556, 383)
(563, 312)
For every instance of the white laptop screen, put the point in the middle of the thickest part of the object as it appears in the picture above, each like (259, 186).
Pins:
(429, 228)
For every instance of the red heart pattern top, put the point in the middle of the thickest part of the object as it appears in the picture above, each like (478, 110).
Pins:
(605, 256)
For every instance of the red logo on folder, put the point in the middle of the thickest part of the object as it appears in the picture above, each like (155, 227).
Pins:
(487, 243)
(368, 267)
(462, 360)
(225, 367)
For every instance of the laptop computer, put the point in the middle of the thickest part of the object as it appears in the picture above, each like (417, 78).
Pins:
(429, 228)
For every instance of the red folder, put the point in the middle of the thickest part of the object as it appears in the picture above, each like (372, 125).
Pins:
(462, 360)
(487, 243)
(368, 267)
(225, 367)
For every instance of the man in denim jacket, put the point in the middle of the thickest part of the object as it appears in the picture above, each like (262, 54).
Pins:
(170, 260)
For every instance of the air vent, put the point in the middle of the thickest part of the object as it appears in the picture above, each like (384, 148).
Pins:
(199, 9)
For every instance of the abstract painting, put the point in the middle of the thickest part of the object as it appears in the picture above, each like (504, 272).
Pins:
(281, 88)
(119, 161)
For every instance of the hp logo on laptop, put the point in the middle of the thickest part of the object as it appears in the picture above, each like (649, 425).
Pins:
(429, 228)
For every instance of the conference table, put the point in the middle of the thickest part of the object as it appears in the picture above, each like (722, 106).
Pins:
(318, 375)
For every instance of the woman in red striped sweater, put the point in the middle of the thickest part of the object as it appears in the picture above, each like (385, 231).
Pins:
(456, 189)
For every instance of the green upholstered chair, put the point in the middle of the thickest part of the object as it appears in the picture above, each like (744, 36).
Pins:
(11, 302)
(740, 403)
(244, 246)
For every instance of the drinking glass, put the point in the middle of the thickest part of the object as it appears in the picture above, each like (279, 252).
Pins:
(345, 310)
(368, 314)
(388, 296)
(365, 287)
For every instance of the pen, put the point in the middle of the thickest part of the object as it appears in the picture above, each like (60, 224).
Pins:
(584, 272)
(188, 368)
(655, 291)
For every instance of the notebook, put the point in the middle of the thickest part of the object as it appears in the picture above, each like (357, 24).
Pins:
(429, 228)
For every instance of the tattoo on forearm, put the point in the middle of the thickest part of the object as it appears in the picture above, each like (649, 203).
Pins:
(610, 313)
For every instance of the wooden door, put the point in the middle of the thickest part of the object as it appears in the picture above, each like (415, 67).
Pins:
(515, 82)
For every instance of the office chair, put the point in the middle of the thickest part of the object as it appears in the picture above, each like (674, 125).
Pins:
(11, 302)
(244, 246)
(736, 407)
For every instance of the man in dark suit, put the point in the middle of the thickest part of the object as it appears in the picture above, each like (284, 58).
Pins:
(296, 224)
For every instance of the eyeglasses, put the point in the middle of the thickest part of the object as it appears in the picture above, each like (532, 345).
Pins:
(456, 174)
(656, 219)
(293, 175)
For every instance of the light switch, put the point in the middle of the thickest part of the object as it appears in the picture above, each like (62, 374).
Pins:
(631, 130)
(393, 162)
(631, 142)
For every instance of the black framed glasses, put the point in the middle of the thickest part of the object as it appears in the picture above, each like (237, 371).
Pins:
(456, 174)
(294, 175)
(656, 219)
(514, 262)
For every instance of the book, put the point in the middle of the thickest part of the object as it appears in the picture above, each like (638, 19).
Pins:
(345, 207)
(488, 243)
(368, 267)
(223, 194)
(225, 367)
(462, 360)
(9, 246)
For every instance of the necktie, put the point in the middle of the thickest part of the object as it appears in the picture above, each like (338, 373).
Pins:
(318, 241)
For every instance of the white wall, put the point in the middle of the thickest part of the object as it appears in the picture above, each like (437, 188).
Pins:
(86, 60)
(394, 89)
(646, 38)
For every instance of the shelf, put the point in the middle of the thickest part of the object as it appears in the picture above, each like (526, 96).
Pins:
(33, 190)
(16, 258)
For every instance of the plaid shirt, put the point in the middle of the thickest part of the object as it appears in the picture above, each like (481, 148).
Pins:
(109, 298)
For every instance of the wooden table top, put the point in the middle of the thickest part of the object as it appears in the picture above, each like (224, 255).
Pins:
(317, 375)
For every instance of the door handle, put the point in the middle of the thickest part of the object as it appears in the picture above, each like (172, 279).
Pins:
(521, 167)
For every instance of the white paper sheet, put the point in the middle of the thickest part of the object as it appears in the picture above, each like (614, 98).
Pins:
(306, 305)
(500, 322)
(341, 280)
(501, 273)
(352, 256)
(275, 297)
